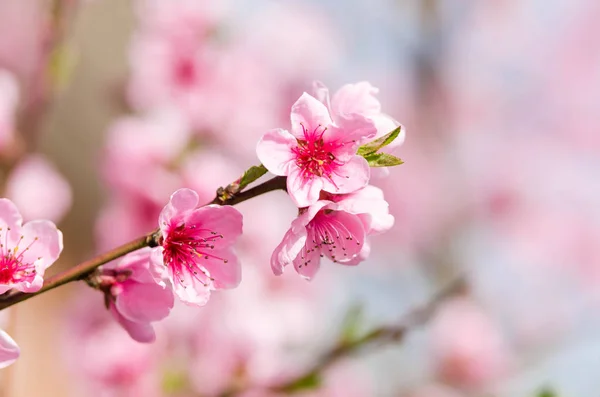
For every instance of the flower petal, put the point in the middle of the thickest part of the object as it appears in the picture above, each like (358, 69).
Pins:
(189, 288)
(182, 201)
(222, 220)
(141, 302)
(139, 331)
(41, 239)
(289, 248)
(303, 191)
(225, 272)
(310, 113)
(274, 150)
(349, 177)
(307, 263)
(9, 351)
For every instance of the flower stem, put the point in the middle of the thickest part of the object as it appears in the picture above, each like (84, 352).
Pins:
(82, 270)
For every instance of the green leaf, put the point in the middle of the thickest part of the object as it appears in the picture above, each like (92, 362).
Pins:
(309, 382)
(252, 174)
(377, 144)
(547, 393)
(382, 160)
(174, 381)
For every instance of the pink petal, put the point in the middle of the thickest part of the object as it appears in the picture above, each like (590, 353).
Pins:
(141, 265)
(356, 98)
(9, 351)
(352, 131)
(321, 92)
(303, 191)
(289, 248)
(349, 177)
(308, 111)
(47, 247)
(274, 150)
(139, 331)
(351, 235)
(189, 288)
(221, 219)
(9, 216)
(299, 224)
(362, 255)
(226, 275)
(371, 206)
(307, 263)
(181, 201)
(141, 302)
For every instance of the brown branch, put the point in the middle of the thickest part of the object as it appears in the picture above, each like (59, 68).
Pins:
(83, 269)
(380, 336)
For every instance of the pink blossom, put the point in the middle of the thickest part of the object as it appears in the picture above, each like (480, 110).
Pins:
(196, 246)
(359, 98)
(312, 233)
(36, 177)
(318, 154)
(320, 230)
(9, 100)
(9, 351)
(136, 293)
(468, 348)
(26, 250)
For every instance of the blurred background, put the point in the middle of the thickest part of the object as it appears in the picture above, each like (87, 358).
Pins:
(108, 106)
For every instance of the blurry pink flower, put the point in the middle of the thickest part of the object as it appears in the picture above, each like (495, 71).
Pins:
(360, 99)
(139, 151)
(36, 177)
(136, 293)
(318, 154)
(9, 351)
(468, 349)
(26, 250)
(9, 100)
(320, 230)
(196, 246)
(434, 391)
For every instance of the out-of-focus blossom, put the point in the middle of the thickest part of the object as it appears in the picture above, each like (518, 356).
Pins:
(114, 365)
(318, 154)
(140, 153)
(34, 178)
(196, 246)
(320, 230)
(9, 100)
(468, 349)
(137, 293)
(9, 351)
(26, 250)
(434, 391)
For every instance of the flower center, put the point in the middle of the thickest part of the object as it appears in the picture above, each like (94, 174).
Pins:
(314, 156)
(13, 269)
(185, 246)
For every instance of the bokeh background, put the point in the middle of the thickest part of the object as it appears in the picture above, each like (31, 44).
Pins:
(108, 106)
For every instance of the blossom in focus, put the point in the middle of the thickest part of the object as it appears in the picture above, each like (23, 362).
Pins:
(36, 177)
(9, 100)
(196, 246)
(136, 293)
(318, 154)
(26, 250)
(335, 227)
(9, 351)
(320, 230)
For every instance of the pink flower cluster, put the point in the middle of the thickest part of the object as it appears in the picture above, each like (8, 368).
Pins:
(327, 178)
